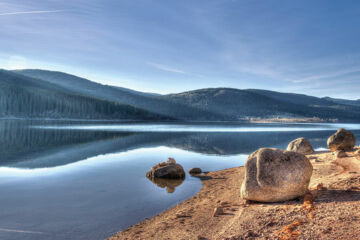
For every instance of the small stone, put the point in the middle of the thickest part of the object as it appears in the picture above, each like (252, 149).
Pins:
(218, 211)
(195, 171)
(320, 186)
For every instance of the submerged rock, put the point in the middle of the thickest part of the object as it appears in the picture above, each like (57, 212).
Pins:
(273, 175)
(300, 145)
(195, 171)
(169, 170)
(341, 140)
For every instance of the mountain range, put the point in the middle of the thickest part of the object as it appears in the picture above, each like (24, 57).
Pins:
(37, 93)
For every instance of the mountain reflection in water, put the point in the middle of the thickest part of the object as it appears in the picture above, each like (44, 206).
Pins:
(90, 182)
(24, 146)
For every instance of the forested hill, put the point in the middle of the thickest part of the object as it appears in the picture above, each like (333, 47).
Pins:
(155, 103)
(24, 97)
(57, 94)
(238, 104)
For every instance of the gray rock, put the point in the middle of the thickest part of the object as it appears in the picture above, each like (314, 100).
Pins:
(340, 154)
(166, 170)
(195, 171)
(300, 145)
(341, 140)
(273, 175)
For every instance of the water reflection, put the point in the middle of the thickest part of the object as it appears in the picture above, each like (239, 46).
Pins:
(24, 144)
(91, 182)
(169, 184)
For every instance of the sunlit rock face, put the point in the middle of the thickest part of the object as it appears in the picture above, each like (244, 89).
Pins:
(341, 140)
(300, 145)
(169, 170)
(273, 175)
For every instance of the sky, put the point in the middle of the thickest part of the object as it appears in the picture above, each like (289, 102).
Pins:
(169, 46)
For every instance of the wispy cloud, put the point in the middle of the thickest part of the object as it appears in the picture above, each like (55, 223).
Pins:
(165, 68)
(30, 12)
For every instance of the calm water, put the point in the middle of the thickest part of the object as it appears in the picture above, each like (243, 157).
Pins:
(87, 180)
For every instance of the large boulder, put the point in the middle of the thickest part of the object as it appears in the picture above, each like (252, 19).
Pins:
(341, 140)
(273, 175)
(169, 170)
(300, 145)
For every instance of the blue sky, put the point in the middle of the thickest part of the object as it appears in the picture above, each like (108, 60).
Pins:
(165, 46)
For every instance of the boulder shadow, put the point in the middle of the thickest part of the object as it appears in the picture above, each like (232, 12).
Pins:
(335, 195)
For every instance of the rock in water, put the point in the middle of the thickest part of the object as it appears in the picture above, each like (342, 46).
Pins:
(171, 161)
(300, 145)
(273, 175)
(341, 140)
(195, 171)
(168, 170)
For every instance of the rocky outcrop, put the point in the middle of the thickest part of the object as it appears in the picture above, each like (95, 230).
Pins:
(341, 140)
(300, 145)
(273, 175)
(195, 170)
(169, 170)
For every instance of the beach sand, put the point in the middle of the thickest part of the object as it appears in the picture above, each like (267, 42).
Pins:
(330, 211)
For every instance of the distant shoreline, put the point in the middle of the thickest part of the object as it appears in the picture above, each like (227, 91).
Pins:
(251, 120)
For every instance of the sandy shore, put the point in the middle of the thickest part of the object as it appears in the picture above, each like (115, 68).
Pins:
(331, 211)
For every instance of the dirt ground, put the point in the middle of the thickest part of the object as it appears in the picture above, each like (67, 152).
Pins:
(330, 211)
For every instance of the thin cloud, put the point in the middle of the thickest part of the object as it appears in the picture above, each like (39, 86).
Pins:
(166, 68)
(29, 12)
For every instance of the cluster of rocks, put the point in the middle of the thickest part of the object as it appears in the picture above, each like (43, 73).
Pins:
(273, 175)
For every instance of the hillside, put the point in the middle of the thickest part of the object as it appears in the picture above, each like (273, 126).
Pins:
(212, 104)
(344, 101)
(151, 102)
(239, 104)
(22, 96)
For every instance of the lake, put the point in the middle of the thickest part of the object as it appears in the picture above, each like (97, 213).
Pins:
(86, 180)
